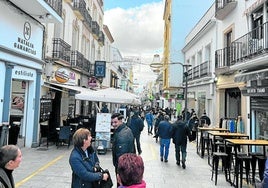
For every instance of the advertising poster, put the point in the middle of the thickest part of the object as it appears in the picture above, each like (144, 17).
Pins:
(103, 122)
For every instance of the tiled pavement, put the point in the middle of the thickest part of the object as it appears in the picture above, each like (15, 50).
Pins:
(50, 168)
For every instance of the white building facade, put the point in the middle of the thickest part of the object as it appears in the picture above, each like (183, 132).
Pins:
(21, 62)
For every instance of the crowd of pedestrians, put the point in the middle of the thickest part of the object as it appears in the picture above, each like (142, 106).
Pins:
(126, 149)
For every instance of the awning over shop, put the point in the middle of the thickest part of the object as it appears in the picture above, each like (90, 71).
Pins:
(110, 95)
(251, 75)
(77, 89)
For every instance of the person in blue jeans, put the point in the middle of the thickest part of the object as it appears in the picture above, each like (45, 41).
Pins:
(164, 132)
(149, 119)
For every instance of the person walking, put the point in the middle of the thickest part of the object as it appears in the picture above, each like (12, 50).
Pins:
(205, 120)
(105, 109)
(159, 117)
(164, 132)
(180, 131)
(193, 124)
(149, 119)
(130, 171)
(123, 139)
(10, 159)
(84, 161)
(136, 125)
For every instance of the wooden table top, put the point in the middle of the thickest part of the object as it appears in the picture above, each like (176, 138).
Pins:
(226, 134)
(248, 142)
(212, 129)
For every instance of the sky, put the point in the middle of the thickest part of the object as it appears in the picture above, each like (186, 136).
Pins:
(137, 27)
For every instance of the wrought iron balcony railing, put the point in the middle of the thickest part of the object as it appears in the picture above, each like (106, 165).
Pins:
(77, 60)
(224, 7)
(95, 28)
(251, 45)
(87, 19)
(86, 66)
(56, 5)
(101, 38)
(80, 9)
(200, 71)
(61, 50)
(92, 69)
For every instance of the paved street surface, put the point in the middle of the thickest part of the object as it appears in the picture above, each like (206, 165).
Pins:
(50, 168)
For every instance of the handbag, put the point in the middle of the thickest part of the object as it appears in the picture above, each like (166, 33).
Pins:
(103, 183)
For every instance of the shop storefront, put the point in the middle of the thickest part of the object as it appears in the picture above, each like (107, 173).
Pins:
(20, 67)
(229, 99)
(257, 91)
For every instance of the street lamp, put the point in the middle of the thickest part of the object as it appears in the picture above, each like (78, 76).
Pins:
(156, 65)
(185, 73)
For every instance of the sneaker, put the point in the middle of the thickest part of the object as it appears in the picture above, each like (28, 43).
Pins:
(166, 160)
(161, 159)
(178, 163)
(140, 152)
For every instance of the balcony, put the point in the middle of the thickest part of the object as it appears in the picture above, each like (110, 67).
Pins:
(223, 61)
(86, 66)
(87, 20)
(92, 69)
(224, 7)
(248, 49)
(79, 7)
(45, 11)
(200, 71)
(77, 60)
(55, 5)
(61, 51)
(95, 29)
(101, 38)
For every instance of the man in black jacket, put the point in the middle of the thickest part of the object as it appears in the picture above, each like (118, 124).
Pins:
(136, 125)
(123, 139)
(179, 134)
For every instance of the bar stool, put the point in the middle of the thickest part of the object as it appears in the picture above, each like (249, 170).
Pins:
(253, 163)
(242, 158)
(215, 164)
(261, 165)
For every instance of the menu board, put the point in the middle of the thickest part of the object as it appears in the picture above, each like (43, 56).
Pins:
(103, 122)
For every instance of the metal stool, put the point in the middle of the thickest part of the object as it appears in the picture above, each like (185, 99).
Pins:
(253, 163)
(261, 165)
(241, 159)
(215, 164)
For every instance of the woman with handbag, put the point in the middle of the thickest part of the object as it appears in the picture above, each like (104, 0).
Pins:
(84, 161)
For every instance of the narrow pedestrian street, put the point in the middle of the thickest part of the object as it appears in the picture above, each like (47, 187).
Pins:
(50, 168)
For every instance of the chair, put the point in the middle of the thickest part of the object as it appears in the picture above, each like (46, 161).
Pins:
(64, 135)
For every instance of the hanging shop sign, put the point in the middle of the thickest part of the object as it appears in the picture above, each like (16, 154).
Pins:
(66, 76)
(100, 69)
(92, 82)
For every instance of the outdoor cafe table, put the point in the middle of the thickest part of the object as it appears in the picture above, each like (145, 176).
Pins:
(202, 130)
(224, 135)
(240, 142)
